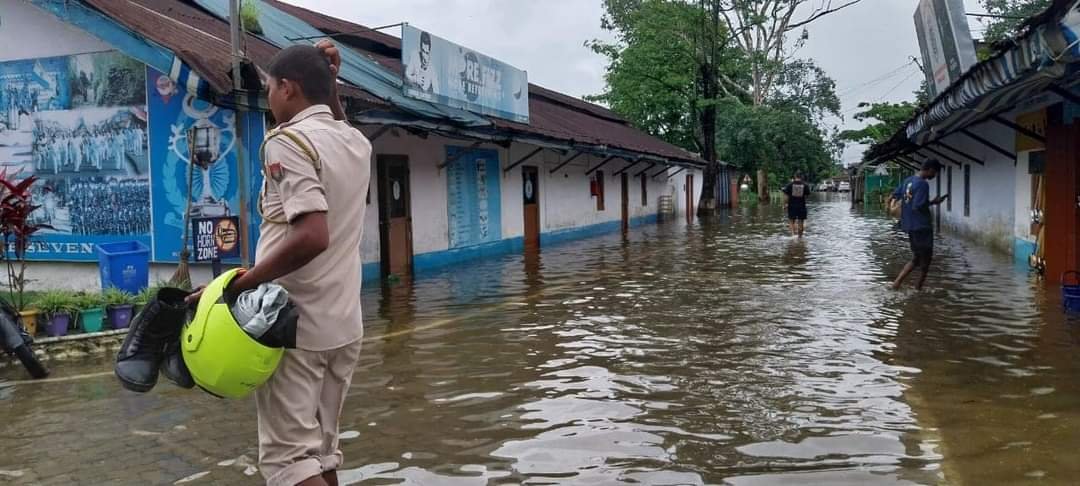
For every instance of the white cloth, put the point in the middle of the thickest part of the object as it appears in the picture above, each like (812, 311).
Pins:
(257, 310)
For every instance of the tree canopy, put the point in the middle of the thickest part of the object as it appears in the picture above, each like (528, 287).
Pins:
(883, 120)
(719, 77)
(1007, 16)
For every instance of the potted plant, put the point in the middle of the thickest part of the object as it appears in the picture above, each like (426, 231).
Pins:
(16, 229)
(58, 307)
(120, 306)
(91, 312)
(28, 317)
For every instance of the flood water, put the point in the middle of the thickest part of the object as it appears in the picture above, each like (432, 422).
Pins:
(721, 352)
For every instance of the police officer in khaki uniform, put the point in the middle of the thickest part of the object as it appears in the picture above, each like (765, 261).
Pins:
(316, 170)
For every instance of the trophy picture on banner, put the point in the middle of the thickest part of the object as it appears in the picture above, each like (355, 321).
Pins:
(205, 154)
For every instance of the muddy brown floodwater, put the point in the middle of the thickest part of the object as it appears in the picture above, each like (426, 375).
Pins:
(715, 353)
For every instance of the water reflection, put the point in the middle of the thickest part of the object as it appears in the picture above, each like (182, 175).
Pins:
(719, 352)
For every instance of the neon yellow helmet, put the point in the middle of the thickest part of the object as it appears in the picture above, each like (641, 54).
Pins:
(223, 359)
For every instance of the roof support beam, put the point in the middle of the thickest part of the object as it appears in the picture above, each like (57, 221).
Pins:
(567, 161)
(918, 157)
(1064, 93)
(661, 171)
(1019, 128)
(942, 144)
(451, 160)
(906, 162)
(676, 172)
(991, 145)
(609, 159)
(624, 169)
(942, 155)
(523, 159)
(651, 165)
(380, 132)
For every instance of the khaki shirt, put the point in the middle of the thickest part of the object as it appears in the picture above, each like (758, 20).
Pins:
(326, 290)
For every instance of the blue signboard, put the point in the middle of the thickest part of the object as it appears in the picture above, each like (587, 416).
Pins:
(473, 197)
(440, 71)
(79, 124)
(214, 186)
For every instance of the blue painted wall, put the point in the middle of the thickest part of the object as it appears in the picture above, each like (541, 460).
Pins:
(1022, 250)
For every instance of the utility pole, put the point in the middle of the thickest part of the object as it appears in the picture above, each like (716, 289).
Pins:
(234, 43)
(241, 125)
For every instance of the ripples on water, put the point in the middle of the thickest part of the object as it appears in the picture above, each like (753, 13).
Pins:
(722, 352)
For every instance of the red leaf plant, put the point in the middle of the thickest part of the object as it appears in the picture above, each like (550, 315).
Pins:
(16, 230)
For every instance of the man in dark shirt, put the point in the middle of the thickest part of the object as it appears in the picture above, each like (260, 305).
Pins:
(795, 195)
(914, 194)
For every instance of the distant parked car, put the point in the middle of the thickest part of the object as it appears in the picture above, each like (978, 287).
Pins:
(826, 186)
(844, 187)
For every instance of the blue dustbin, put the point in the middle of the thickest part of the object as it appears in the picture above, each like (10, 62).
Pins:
(124, 265)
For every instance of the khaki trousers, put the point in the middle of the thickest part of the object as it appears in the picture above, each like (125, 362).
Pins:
(299, 408)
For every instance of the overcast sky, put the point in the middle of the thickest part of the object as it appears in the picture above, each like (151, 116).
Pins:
(866, 48)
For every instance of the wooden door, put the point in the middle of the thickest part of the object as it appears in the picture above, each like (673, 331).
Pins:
(1061, 215)
(395, 215)
(625, 202)
(530, 191)
(689, 197)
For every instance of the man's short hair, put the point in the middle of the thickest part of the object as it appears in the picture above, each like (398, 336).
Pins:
(798, 175)
(931, 164)
(307, 67)
(425, 38)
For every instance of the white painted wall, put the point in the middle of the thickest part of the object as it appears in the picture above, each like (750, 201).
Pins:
(84, 276)
(676, 188)
(27, 32)
(510, 189)
(993, 188)
(565, 198)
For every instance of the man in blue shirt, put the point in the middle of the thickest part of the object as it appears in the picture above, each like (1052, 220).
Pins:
(914, 194)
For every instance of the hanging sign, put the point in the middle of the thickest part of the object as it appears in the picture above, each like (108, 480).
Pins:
(440, 71)
(216, 238)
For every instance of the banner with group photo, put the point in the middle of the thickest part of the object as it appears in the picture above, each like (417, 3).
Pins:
(78, 123)
(211, 186)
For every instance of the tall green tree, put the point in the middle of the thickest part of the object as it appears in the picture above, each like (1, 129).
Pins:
(882, 121)
(653, 75)
(665, 72)
(1007, 15)
(748, 134)
(710, 59)
(769, 32)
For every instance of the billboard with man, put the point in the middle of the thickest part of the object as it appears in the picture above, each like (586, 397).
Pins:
(442, 72)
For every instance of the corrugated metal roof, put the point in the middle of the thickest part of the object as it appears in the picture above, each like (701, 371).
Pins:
(551, 114)
(198, 38)
(201, 40)
(1032, 63)
(386, 49)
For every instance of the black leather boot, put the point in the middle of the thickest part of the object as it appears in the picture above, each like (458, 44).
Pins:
(143, 351)
(174, 367)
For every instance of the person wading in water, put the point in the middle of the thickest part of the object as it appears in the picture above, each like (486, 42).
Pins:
(914, 196)
(795, 195)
